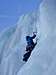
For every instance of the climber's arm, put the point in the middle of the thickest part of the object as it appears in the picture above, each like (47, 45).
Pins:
(33, 36)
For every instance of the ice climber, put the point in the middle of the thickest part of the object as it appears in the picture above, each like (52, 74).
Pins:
(30, 46)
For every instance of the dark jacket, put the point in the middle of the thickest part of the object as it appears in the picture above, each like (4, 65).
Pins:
(30, 39)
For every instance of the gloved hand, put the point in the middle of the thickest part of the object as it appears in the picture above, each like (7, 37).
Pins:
(34, 33)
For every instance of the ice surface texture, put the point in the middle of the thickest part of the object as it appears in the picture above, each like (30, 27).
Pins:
(12, 43)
